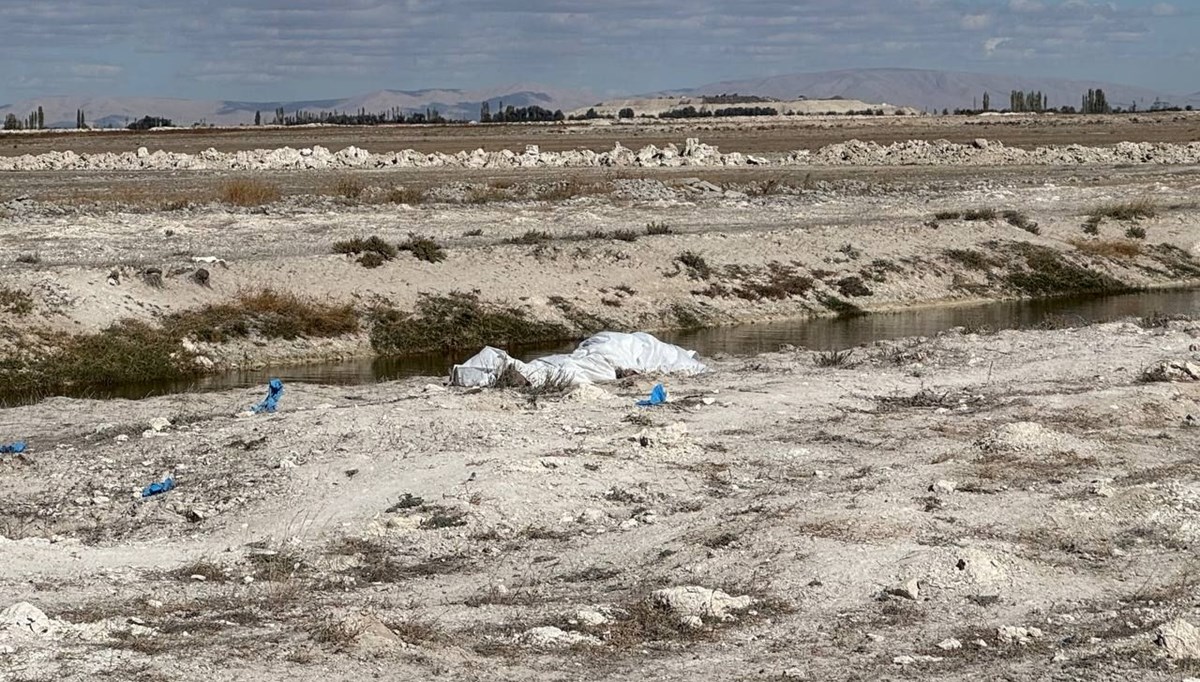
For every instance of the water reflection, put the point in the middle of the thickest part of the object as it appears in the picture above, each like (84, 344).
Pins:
(819, 334)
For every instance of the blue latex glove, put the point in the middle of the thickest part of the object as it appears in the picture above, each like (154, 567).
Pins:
(165, 485)
(658, 396)
(274, 392)
(14, 448)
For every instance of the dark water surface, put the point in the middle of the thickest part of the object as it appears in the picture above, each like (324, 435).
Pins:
(747, 339)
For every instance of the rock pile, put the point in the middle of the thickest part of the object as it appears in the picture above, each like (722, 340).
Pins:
(693, 153)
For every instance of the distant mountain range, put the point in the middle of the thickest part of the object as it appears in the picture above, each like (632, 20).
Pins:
(933, 90)
(59, 112)
(920, 89)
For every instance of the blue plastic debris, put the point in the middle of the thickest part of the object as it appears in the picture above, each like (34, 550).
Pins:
(274, 391)
(14, 448)
(658, 396)
(165, 485)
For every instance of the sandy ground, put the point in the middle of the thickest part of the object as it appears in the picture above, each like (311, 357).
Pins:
(1041, 497)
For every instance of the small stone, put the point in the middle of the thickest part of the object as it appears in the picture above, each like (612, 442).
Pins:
(25, 617)
(1011, 634)
(248, 579)
(944, 487)
(1060, 657)
(1179, 638)
(980, 643)
(909, 590)
(121, 438)
(154, 603)
(692, 602)
(949, 644)
(555, 638)
(198, 578)
(591, 617)
(911, 660)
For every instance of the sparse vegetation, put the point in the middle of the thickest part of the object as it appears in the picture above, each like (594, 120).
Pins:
(656, 228)
(1092, 225)
(127, 352)
(406, 195)
(1135, 232)
(1019, 219)
(349, 187)
(372, 251)
(841, 308)
(15, 302)
(1126, 210)
(424, 248)
(530, 237)
(979, 214)
(30, 258)
(834, 358)
(249, 192)
(947, 215)
(1047, 272)
(1108, 248)
(697, 267)
(970, 258)
(268, 313)
(776, 283)
(852, 287)
(457, 321)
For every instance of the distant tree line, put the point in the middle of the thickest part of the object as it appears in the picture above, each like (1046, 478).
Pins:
(735, 98)
(692, 112)
(511, 114)
(1026, 101)
(394, 116)
(1094, 101)
(148, 122)
(35, 121)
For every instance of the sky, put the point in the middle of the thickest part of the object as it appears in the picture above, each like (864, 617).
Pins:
(266, 50)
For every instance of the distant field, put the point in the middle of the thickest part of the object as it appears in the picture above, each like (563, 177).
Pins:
(744, 135)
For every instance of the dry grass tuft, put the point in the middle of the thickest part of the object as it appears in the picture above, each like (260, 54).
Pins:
(249, 192)
(984, 214)
(349, 187)
(269, 313)
(1126, 210)
(406, 195)
(1107, 248)
(15, 302)
(530, 237)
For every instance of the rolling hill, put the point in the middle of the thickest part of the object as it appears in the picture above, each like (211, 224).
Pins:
(930, 90)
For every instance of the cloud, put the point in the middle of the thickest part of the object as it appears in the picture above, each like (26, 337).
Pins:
(267, 49)
(1026, 6)
(101, 71)
(975, 22)
(991, 44)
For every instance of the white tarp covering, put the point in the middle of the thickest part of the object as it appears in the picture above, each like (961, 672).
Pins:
(598, 358)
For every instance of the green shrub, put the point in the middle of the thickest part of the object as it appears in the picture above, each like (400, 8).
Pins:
(457, 321)
(424, 248)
